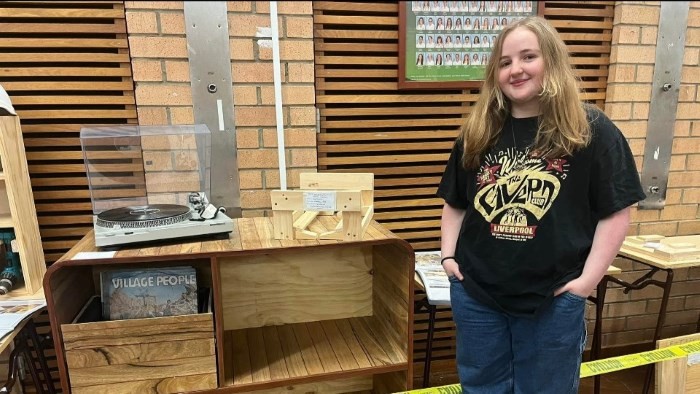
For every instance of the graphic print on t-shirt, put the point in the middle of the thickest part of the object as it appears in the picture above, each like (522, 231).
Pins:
(515, 190)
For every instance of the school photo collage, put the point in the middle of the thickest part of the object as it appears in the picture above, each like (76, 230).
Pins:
(454, 33)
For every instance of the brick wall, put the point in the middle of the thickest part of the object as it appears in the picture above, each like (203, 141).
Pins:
(631, 318)
(158, 47)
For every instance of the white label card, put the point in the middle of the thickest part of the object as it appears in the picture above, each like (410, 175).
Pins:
(693, 359)
(319, 201)
(94, 255)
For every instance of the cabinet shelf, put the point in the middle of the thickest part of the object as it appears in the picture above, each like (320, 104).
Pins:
(319, 317)
(296, 351)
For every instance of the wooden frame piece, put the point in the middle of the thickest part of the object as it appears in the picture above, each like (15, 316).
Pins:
(677, 376)
(457, 76)
(351, 196)
(23, 219)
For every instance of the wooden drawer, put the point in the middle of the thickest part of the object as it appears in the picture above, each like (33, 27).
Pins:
(154, 355)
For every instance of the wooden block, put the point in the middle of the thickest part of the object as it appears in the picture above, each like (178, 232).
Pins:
(676, 376)
(641, 239)
(282, 223)
(333, 181)
(164, 355)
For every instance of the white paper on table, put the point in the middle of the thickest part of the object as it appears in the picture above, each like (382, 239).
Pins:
(435, 281)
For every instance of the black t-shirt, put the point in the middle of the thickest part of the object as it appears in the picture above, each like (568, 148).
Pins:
(530, 221)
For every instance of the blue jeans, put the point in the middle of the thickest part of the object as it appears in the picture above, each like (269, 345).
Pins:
(501, 354)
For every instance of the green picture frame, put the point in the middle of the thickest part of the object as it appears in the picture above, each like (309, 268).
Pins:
(436, 36)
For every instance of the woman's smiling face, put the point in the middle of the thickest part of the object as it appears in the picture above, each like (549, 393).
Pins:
(521, 70)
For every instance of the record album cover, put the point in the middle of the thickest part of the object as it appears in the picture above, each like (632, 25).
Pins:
(151, 292)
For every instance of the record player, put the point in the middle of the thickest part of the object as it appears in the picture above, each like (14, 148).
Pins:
(151, 183)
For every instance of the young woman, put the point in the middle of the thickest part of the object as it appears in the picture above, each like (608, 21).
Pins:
(537, 193)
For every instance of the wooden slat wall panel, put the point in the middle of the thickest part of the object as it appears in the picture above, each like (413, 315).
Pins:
(404, 136)
(65, 65)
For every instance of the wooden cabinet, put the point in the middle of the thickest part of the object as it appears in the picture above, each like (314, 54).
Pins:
(293, 316)
(17, 209)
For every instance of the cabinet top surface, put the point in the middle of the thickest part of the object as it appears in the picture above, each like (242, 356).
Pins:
(249, 234)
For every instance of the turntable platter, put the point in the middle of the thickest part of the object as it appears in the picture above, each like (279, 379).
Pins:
(153, 215)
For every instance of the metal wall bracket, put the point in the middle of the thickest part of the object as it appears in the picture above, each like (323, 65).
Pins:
(212, 96)
(670, 45)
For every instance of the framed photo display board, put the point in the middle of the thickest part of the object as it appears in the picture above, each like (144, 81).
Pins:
(447, 44)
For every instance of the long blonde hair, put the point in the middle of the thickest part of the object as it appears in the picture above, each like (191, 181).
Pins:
(563, 126)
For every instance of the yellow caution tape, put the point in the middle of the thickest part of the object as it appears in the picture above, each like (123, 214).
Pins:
(599, 367)
(613, 364)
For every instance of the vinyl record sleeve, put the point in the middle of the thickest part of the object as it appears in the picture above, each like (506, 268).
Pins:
(150, 292)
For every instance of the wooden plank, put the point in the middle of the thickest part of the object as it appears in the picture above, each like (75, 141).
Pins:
(59, 13)
(412, 214)
(115, 355)
(580, 12)
(240, 364)
(354, 73)
(324, 349)
(173, 384)
(365, 86)
(358, 352)
(249, 235)
(360, 47)
(384, 159)
(73, 114)
(406, 181)
(133, 335)
(20, 57)
(362, 112)
(292, 351)
(62, 72)
(312, 362)
(274, 354)
(412, 224)
(393, 98)
(72, 100)
(356, 20)
(266, 233)
(387, 135)
(340, 348)
(392, 123)
(582, 25)
(365, 60)
(65, 85)
(62, 42)
(259, 365)
(371, 345)
(603, 37)
(357, 385)
(354, 6)
(387, 147)
(20, 201)
(119, 26)
(85, 377)
(356, 34)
